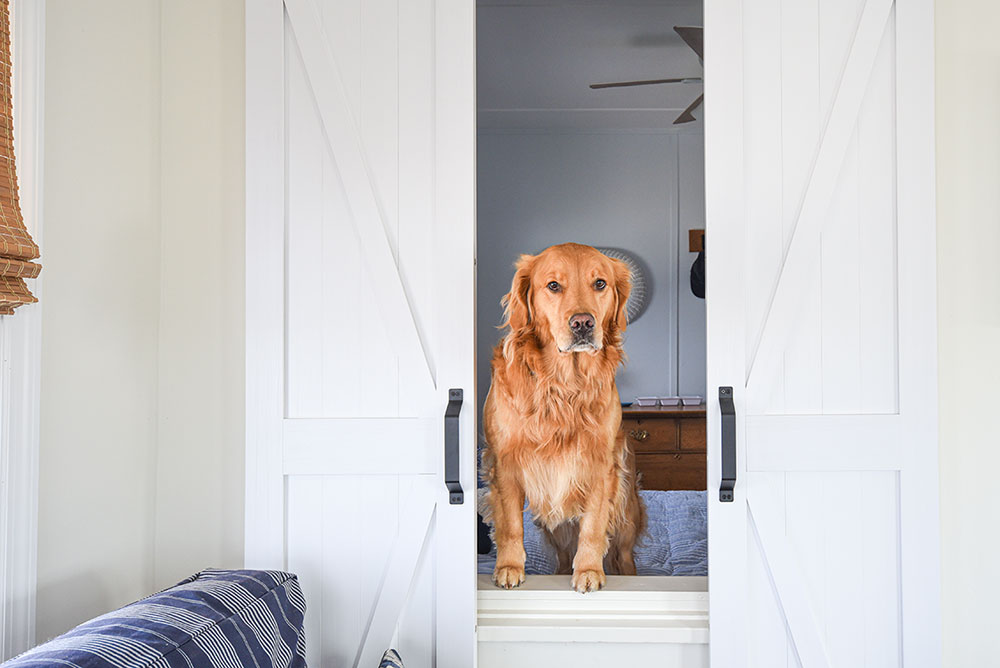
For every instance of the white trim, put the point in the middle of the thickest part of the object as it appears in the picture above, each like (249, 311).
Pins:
(651, 609)
(725, 336)
(21, 364)
(264, 528)
(920, 528)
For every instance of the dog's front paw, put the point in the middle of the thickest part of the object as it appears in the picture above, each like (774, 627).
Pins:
(508, 577)
(588, 580)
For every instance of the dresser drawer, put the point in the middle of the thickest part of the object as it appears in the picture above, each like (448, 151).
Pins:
(693, 436)
(679, 470)
(647, 435)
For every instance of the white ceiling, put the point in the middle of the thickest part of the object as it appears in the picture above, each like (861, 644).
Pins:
(537, 58)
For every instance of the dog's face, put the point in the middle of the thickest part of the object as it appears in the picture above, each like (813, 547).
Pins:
(572, 296)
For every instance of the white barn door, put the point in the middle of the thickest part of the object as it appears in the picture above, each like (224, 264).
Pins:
(360, 296)
(821, 315)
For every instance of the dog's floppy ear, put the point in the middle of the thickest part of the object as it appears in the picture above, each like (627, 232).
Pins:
(517, 302)
(623, 286)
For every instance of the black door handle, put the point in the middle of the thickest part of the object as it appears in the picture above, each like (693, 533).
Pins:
(451, 453)
(728, 411)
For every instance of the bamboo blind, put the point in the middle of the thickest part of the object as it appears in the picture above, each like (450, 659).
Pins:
(16, 246)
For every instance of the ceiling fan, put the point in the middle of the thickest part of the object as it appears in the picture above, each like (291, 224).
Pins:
(693, 37)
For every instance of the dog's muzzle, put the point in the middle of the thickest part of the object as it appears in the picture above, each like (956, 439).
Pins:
(582, 327)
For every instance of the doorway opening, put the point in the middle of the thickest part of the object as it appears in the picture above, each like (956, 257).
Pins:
(620, 168)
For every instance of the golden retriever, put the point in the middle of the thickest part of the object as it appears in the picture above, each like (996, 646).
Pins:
(552, 419)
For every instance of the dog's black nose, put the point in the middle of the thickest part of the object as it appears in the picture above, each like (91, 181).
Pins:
(581, 323)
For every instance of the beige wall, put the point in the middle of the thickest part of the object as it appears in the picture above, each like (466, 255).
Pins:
(199, 484)
(968, 191)
(141, 466)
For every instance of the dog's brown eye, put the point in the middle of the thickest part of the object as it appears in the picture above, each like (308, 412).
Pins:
(553, 286)
(600, 284)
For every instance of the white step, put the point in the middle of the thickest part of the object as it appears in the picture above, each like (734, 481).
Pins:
(633, 621)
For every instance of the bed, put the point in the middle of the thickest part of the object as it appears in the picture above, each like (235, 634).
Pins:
(675, 542)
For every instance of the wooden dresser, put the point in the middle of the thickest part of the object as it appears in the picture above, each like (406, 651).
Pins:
(669, 445)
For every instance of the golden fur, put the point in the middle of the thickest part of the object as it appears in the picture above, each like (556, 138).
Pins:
(552, 419)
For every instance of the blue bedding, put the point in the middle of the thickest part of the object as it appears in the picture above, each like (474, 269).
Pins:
(675, 542)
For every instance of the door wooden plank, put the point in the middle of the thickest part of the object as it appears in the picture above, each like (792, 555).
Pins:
(306, 559)
(842, 517)
(378, 115)
(763, 112)
(340, 519)
(797, 33)
(803, 249)
(840, 294)
(348, 150)
(305, 225)
(341, 21)
(414, 525)
(804, 505)
(416, 181)
(840, 290)
(880, 575)
(769, 644)
(877, 193)
(766, 520)
(381, 533)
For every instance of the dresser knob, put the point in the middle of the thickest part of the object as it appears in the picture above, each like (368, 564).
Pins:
(639, 434)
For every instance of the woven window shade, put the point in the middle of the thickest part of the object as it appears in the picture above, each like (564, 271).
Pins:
(17, 248)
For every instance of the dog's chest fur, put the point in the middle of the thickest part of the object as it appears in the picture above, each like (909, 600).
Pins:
(561, 431)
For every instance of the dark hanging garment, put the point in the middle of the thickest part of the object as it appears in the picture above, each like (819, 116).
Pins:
(698, 275)
(485, 543)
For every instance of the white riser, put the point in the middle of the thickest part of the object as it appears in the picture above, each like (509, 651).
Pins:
(662, 620)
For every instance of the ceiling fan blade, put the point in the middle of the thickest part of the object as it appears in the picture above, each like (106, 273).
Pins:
(647, 82)
(693, 37)
(686, 115)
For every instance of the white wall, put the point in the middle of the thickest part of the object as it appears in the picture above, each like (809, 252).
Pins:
(199, 484)
(613, 189)
(141, 462)
(968, 191)
(100, 317)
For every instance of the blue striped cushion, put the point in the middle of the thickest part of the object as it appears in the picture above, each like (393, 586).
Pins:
(215, 619)
(391, 660)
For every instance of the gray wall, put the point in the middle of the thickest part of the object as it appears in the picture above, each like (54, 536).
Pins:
(613, 188)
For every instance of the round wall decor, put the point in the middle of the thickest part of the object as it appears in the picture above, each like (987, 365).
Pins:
(638, 299)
